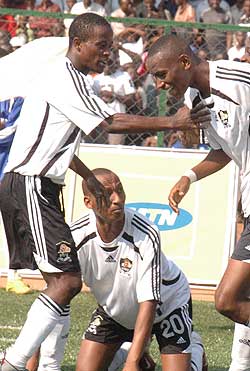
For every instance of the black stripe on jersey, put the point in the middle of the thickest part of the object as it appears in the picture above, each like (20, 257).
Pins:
(223, 96)
(86, 239)
(233, 79)
(130, 239)
(171, 282)
(82, 222)
(234, 71)
(38, 140)
(50, 304)
(86, 99)
(147, 225)
(146, 228)
(93, 99)
(64, 148)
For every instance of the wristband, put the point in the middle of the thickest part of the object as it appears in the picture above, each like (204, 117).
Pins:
(191, 175)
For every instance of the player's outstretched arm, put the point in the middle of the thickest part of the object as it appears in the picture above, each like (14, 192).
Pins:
(142, 333)
(96, 188)
(213, 162)
(184, 119)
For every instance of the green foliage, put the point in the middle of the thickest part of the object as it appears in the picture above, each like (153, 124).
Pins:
(216, 330)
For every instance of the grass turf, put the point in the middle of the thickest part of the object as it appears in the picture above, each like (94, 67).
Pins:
(216, 331)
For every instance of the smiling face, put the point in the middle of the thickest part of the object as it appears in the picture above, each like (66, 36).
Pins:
(115, 211)
(170, 73)
(93, 55)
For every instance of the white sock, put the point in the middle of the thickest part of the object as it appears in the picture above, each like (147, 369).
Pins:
(240, 349)
(52, 348)
(197, 352)
(42, 317)
(11, 274)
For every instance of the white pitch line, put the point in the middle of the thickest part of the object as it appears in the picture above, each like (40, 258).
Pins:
(10, 327)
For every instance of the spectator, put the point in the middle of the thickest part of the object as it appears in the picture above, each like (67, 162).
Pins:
(7, 21)
(246, 56)
(245, 18)
(148, 9)
(185, 12)
(97, 6)
(116, 88)
(42, 26)
(5, 41)
(67, 21)
(217, 41)
(125, 10)
(237, 51)
(204, 5)
(236, 11)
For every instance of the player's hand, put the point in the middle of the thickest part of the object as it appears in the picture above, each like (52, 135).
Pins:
(198, 117)
(201, 114)
(100, 193)
(178, 192)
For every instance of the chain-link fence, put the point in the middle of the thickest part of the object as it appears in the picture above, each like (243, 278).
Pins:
(126, 85)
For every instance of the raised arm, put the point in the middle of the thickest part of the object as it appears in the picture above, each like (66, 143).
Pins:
(142, 333)
(214, 161)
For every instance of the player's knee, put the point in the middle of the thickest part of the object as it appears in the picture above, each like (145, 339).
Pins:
(73, 285)
(224, 303)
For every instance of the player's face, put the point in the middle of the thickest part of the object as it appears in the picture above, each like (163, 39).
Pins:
(95, 52)
(115, 211)
(170, 74)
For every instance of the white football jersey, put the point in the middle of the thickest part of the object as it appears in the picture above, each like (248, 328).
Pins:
(60, 105)
(230, 90)
(129, 270)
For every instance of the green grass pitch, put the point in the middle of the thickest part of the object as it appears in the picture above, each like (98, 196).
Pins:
(216, 331)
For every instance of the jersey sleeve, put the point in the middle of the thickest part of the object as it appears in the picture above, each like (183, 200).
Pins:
(77, 101)
(149, 273)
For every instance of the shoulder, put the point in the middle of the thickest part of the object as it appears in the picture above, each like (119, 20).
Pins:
(142, 226)
(80, 223)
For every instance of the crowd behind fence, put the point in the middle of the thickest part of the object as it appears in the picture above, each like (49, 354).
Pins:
(125, 85)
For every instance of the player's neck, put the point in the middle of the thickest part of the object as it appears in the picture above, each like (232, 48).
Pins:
(200, 79)
(109, 231)
(74, 60)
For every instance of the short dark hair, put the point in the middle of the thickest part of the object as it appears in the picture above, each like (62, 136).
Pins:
(169, 45)
(84, 24)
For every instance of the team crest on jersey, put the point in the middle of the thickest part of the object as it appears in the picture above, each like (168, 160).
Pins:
(223, 115)
(125, 264)
(63, 252)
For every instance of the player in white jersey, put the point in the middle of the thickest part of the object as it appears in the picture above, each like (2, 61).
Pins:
(138, 290)
(57, 108)
(225, 87)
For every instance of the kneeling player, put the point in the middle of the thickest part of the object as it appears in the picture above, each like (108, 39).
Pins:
(138, 290)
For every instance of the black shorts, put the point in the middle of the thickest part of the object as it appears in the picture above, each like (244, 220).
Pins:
(173, 333)
(36, 232)
(242, 249)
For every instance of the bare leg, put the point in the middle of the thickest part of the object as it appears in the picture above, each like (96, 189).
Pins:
(62, 287)
(176, 362)
(95, 356)
(231, 298)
